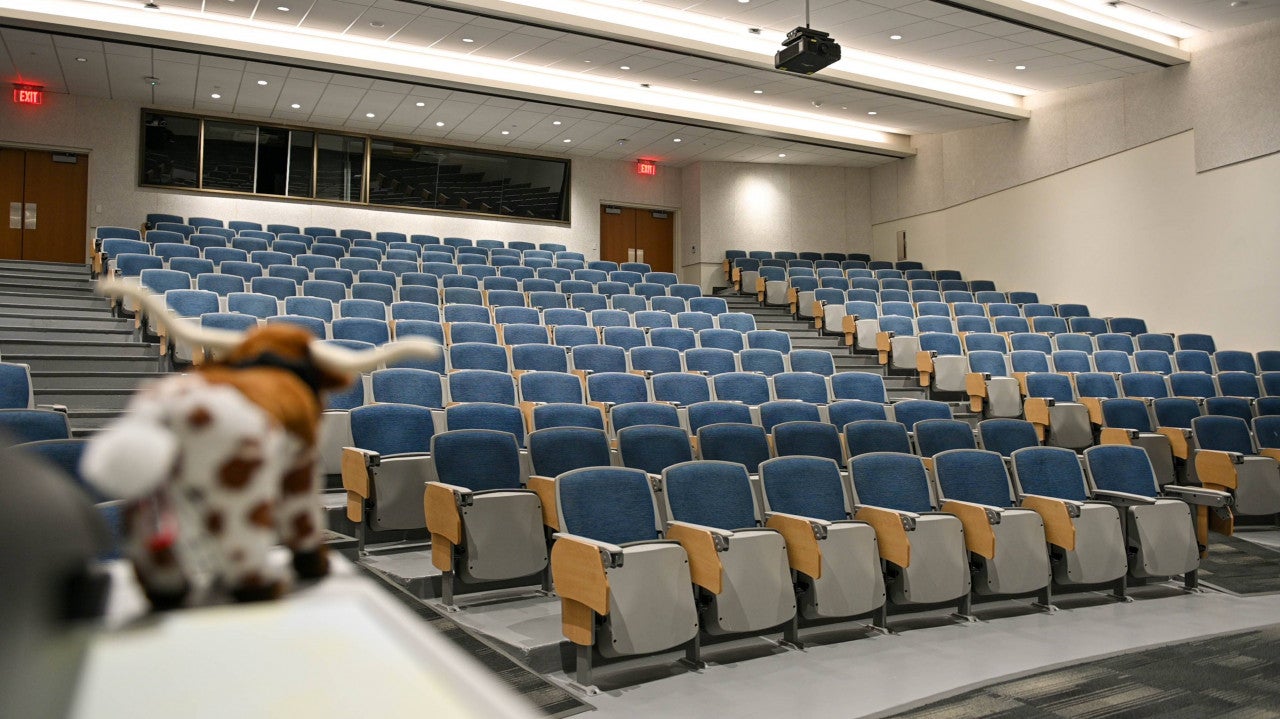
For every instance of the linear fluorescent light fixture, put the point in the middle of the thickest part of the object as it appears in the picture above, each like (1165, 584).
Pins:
(402, 58)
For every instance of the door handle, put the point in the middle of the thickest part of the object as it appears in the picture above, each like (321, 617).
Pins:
(29, 216)
(15, 215)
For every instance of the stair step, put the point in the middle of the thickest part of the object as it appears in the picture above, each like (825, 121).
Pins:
(107, 335)
(50, 267)
(90, 419)
(39, 314)
(86, 363)
(25, 282)
(93, 323)
(120, 381)
(41, 301)
(79, 348)
(87, 399)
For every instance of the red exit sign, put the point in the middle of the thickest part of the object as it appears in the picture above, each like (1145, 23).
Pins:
(28, 94)
(646, 167)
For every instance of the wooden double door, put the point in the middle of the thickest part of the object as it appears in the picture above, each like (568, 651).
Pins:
(632, 234)
(44, 197)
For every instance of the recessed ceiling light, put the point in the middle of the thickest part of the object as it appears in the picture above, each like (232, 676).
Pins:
(296, 106)
(782, 154)
(895, 37)
(676, 139)
(282, 8)
(587, 62)
(872, 112)
(439, 124)
(467, 39)
(744, 2)
(758, 92)
(369, 115)
(567, 140)
(420, 104)
(81, 59)
(216, 96)
(624, 67)
(377, 23)
(506, 132)
(1019, 67)
(555, 122)
(262, 82)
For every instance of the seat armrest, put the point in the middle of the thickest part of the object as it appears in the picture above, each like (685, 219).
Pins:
(1058, 516)
(1218, 468)
(1179, 441)
(1271, 452)
(1036, 411)
(802, 536)
(924, 365)
(975, 385)
(608, 554)
(1200, 496)
(356, 478)
(1094, 405)
(891, 528)
(978, 520)
(1117, 435)
(545, 488)
(441, 503)
(578, 569)
(55, 407)
(1121, 498)
(703, 545)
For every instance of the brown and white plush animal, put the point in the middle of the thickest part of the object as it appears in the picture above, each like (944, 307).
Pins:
(220, 462)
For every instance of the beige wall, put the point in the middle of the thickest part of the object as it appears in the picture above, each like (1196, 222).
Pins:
(1229, 94)
(746, 206)
(109, 131)
(1140, 234)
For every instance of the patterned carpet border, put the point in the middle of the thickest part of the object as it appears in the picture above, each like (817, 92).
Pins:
(1240, 567)
(1231, 675)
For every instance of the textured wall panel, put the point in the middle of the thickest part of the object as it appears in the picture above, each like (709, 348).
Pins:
(1229, 93)
(1140, 233)
(1237, 82)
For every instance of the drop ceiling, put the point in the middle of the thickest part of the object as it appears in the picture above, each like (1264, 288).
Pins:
(82, 59)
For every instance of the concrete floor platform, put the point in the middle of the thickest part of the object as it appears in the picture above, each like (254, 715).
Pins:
(845, 669)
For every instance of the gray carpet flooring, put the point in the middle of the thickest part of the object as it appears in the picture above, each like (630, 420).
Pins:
(1230, 676)
(1240, 567)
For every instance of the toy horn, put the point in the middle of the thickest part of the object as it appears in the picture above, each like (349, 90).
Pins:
(330, 357)
(177, 327)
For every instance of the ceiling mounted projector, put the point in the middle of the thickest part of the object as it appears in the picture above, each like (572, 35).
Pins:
(806, 51)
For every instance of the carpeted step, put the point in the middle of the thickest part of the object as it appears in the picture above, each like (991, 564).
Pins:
(122, 381)
(80, 347)
(86, 362)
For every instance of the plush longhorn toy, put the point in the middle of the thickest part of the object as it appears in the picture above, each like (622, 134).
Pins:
(219, 463)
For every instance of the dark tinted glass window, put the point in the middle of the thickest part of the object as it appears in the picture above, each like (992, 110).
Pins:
(170, 150)
(252, 159)
(301, 162)
(230, 149)
(340, 168)
(461, 181)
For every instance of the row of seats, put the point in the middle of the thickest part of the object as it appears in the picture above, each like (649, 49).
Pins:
(154, 219)
(225, 284)
(865, 317)
(869, 518)
(176, 254)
